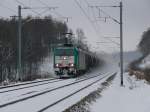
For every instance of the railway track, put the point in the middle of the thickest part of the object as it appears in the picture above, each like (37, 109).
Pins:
(26, 83)
(57, 88)
(48, 81)
(64, 98)
(44, 82)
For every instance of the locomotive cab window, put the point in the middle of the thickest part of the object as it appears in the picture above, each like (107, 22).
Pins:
(64, 52)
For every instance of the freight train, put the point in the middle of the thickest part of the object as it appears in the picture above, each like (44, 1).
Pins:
(72, 61)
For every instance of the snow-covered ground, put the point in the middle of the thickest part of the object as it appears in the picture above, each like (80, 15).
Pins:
(41, 101)
(133, 97)
(22, 93)
(37, 103)
(145, 65)
(47, 66)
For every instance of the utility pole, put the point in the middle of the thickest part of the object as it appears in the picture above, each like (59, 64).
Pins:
(121, 34)
(19, 64)
(121, 45)
(19, 51)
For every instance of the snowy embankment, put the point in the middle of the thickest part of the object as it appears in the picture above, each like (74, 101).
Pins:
(36, 103)
(133, 97)
(46, 67)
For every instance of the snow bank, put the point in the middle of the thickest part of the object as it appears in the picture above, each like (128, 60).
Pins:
(145, 65)
(46, 67)
(133, 97)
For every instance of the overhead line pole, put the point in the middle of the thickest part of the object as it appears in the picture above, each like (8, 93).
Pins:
(19, 65)
(121, 36)
(19, 50)
(121, 45)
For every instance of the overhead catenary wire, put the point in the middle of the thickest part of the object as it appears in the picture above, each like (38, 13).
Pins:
(108, 15)
(89, 19)
(43, 3)
(86, 15)
(94, 16)
(93, 13)
(29, 8)
(47, 5)
(57, 13)
(10, 9)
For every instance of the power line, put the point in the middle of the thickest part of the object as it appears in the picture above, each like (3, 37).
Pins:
(47, 5)
(57, 13)
(43, 3)
(47, 8)
(121, 35)
(94, 16)
(83, 11)
(87, 2)
(12, 10)
(92, 22)
(26, 6)
(92, 10)
(86, 15)
(108, 16)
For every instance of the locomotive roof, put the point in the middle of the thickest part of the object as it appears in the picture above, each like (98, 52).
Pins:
(69, 46)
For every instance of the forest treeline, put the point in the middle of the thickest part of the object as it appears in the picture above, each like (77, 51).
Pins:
(144, 45)
(38, 36)
(144, 48)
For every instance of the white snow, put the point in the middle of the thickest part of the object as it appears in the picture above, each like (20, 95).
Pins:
(133, 97)
(39, 102)
(144, 65)
(47, 66)
(36, 103)
(14, 95)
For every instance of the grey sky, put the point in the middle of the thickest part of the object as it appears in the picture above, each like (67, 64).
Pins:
(136, 19)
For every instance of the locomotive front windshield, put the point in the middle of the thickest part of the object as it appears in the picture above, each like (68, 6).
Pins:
(64, 52)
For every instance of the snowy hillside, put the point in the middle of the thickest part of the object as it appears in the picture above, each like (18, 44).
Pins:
(128, 57)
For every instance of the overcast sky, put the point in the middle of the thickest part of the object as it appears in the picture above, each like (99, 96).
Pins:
(136, 19)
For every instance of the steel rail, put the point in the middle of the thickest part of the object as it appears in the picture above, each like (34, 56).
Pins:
(64, 98)
(9, 86)
(44, 92)
(45, 82)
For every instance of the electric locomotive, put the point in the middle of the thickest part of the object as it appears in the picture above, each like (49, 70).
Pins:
(71, 61)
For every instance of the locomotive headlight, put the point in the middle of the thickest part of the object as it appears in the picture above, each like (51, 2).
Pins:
(65, 58)
(57, 65)
(71, 64)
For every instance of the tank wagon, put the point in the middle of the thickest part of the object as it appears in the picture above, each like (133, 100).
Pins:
(71, 61)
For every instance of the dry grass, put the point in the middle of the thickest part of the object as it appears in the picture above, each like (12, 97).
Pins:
(141, 74)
